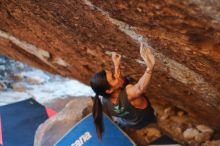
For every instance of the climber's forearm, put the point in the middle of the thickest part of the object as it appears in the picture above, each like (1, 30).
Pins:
(143, 82)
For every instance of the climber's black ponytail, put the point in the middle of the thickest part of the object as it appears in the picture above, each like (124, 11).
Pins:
(99, 85)
(97, 116)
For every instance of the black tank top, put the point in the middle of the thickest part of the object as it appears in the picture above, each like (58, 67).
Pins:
(132, 116)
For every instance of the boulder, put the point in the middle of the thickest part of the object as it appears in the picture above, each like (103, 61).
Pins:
(205, 128)
(55, 127)
(17, 77)
(19, 87)
(35, 80)
(167, 113)
(144, 135)
(212, 143)
(74, 38)
(190, 133)
(2, 86)
(202, 137)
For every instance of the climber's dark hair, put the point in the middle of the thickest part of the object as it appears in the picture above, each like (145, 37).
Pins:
(99, 84)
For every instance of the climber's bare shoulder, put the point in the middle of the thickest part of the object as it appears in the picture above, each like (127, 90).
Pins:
(135, 97)
(132, 92)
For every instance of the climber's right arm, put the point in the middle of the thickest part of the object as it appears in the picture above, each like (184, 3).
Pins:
(140, 87)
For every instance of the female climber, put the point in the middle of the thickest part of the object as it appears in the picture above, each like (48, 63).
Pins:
(124, 100)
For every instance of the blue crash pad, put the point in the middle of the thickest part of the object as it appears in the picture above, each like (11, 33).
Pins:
(84, 134)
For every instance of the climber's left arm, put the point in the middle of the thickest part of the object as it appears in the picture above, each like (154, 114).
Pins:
(116, 58)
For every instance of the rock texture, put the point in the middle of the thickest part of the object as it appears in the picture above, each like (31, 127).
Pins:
(75, 38)
(212, 143)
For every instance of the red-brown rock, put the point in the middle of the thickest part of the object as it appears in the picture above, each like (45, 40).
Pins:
(73, 38)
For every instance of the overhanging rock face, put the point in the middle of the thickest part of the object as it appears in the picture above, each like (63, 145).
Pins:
(75, 38)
